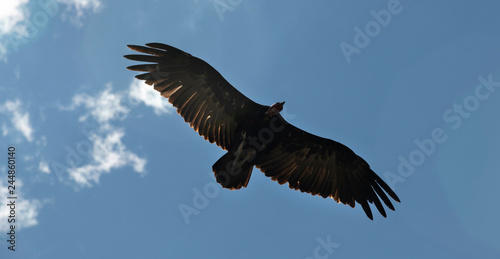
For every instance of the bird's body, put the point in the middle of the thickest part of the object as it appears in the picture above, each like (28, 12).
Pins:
(257, 135)
(254, 136)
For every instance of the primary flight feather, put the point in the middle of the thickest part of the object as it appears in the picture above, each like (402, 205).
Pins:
(257, 135)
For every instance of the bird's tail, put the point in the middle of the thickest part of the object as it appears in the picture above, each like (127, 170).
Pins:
(232, 171)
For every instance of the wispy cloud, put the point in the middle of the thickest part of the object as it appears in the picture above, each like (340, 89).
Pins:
(17, 24)
(19, 119)
(12, 13)
(44, 167)
(80, 7)
(5, 131)
(103, 108)
(108, 152)
(141, 92)
(26, 210)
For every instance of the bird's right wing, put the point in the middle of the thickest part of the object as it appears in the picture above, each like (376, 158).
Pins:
(324, 167)
(205, 100)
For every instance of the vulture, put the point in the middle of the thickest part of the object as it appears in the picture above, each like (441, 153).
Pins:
(257, 135)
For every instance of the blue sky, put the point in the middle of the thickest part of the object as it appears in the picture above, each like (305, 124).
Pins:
(104, 163)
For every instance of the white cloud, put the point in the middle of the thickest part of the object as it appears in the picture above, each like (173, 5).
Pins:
(26, 210)
(20, 120)
(109, 105)
(142, 92)
(80, 7)
(5, 131)
(105, 107)
(17, 24)
(11, 14)
(44, 167)
(108, 153)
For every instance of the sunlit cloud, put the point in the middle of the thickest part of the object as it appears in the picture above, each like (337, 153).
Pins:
(143, 93)
(79, 7)
(44, 167)
(11, 14)
(19, 24)
(19, 119)
(108, 152)
(27, 210)
(102, 108)
(5, 131)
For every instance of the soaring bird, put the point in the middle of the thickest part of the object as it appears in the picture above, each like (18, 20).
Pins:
(257, 135)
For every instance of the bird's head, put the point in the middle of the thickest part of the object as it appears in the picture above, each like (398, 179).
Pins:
(275, 109)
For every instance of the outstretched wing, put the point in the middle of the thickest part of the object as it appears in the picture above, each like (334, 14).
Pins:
(324, 167)
(205, 100)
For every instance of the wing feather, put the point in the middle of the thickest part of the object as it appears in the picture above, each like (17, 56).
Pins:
(201, 95)
(196, 111)
(184, 108)
(324, 167)
(215, 110)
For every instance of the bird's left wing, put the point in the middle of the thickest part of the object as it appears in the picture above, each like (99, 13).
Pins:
(324, 167)
(205, 100)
